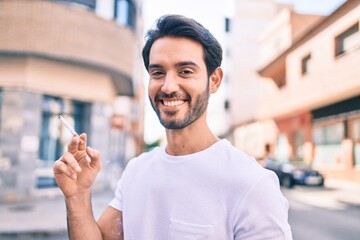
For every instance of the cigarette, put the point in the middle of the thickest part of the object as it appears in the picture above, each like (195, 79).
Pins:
(67, 125)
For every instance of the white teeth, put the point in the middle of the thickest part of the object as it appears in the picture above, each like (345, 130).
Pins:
(173, 103)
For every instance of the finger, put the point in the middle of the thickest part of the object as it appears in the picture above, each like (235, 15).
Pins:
(77, 143)
(82, 141)
(61, 167)
(94, 157)
(69, 159)
(74, 144)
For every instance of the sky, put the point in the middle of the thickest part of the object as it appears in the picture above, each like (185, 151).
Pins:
(211, 14)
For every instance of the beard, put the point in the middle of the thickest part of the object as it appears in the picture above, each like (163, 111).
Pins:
(197, 107)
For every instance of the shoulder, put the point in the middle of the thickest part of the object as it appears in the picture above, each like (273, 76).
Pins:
(238, 160)
(225, 147)
(241, 170)
(146, 156)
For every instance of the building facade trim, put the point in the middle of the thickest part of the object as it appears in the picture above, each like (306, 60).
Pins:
(122, 82)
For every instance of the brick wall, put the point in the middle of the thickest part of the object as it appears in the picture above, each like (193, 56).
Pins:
(66, 32)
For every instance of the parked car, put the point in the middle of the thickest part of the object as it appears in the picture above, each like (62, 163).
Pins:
(294, 173)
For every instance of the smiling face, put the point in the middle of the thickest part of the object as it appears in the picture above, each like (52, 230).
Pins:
(179, 85)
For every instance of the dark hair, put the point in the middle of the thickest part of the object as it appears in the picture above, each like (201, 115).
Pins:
(180, 26)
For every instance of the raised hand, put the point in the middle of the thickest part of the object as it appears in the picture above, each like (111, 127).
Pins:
(77, 169)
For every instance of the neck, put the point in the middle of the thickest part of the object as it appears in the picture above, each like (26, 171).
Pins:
(194, 138)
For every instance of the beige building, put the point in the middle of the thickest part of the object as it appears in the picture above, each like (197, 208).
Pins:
(315, 100)
(80, 59)
(244, 86)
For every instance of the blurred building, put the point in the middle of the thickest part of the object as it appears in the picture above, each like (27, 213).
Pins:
(315, 101)
(244, 86)
(77, 58)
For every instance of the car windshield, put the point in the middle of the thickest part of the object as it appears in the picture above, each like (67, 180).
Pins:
(301, 165)
(287, 164)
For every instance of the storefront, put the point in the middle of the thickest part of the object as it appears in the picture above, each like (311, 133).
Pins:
(294, 139)
(336, 137)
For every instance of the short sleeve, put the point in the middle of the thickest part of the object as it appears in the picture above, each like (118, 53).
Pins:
(116, 202)
(263, 212)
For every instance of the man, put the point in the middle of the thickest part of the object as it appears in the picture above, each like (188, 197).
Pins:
(198, 186)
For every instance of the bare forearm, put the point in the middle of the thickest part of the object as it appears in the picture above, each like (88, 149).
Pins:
(80, 219)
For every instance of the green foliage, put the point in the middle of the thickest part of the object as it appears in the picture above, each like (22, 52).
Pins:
(149, 146)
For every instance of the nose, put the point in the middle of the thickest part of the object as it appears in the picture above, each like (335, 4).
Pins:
(170, 84)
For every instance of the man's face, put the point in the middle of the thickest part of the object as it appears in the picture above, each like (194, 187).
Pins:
(178, 86)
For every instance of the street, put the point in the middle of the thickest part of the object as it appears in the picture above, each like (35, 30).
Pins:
(315, 213)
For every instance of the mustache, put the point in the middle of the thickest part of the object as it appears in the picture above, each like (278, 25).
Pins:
(162, 95)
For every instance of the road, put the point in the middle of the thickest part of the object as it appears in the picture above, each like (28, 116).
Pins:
(315, 214)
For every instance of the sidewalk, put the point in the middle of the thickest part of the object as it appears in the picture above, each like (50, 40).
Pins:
(346, 192)
(335, 195)
(47, 214)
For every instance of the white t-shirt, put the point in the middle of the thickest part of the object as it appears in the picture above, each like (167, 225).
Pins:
(219, 193)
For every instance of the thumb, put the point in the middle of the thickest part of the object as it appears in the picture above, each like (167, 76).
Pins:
(94, 157)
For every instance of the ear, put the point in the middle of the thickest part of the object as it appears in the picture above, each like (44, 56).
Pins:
(215, 80)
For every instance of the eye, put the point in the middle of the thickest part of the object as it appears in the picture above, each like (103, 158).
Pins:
(186, 72)
(157, 74)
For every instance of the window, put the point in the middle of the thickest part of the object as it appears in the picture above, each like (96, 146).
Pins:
(327, 140)
(348, 40)
(88, 3)
(306, 64)
(125, 13)
(54, 136)
(227, 104)
(329, 134)
(356, 139)
(227, 24)
(228, 53)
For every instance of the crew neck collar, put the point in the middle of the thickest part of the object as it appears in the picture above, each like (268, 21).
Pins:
(206, 151)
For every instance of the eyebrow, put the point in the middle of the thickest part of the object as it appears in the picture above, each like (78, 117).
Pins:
(154, 66)
(179, 64)
(186, 63)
